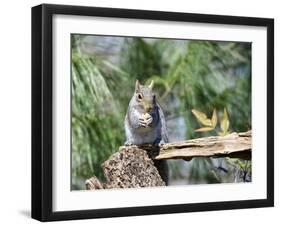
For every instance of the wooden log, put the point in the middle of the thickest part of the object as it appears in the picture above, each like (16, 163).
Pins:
(235, 145)
(144, 166)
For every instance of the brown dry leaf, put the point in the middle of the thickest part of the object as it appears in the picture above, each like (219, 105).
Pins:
(204, 129)
(224, 123)
(202, 118)
(214, 118)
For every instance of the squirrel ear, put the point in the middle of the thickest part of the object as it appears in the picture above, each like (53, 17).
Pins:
(151, 84)
(137, 87)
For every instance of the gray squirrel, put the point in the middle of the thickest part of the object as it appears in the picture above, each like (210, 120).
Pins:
(145, 123)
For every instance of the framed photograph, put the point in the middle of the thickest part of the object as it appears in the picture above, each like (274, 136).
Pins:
(140, 112)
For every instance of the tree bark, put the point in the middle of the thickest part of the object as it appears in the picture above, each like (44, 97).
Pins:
(144, 166)
(130, 167)
(235, 145)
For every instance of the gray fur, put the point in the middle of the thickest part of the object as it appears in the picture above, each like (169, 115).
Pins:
(137, 132)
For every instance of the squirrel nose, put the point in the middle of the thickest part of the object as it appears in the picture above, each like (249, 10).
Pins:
(148, 108)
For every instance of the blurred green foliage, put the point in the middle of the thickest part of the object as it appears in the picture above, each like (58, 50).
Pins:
(188, 74)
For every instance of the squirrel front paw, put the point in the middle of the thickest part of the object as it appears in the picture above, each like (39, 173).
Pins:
(142, 122)
(145, 120)
(149, 119)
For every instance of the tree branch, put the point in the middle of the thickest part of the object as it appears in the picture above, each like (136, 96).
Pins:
(144, 166)
(236, 145)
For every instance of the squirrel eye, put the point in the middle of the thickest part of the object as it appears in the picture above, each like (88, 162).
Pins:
(139, 96)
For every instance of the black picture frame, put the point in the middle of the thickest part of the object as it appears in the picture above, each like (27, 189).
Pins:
(42, 107)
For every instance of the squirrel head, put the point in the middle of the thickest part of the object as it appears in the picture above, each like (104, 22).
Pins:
(145, 97)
